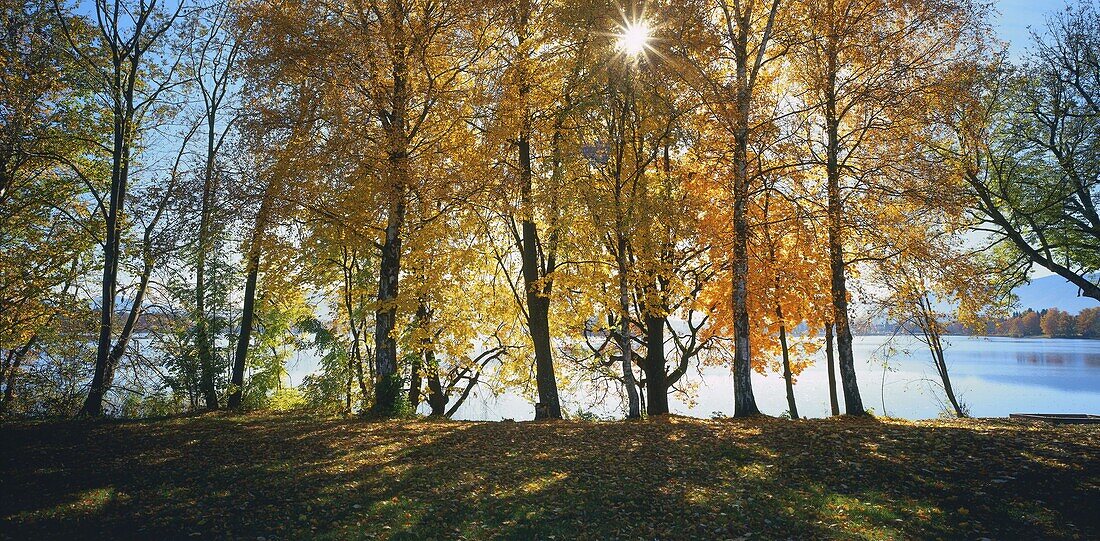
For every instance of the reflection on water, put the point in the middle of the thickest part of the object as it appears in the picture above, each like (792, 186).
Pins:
(1041, 358)
(993, 376)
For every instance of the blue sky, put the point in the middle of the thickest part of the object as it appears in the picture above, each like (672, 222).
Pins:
(1017, 15)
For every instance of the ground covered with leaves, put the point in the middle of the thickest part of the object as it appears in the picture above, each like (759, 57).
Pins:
(295, 477)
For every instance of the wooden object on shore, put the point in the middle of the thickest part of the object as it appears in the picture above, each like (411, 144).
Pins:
(1059, 418)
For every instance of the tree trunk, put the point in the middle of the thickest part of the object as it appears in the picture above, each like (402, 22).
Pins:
(634, 410)
(537, 296)
(853, 404)
(656, 379)
(788, 377)
(8, 380)
(415, 380)
(935, 346)
(115, 354)
(103, 375)
(834, 406)
(364, 392)
(93, 406)
(744, 404)
(941, 367)
(347, 395)
(420, 360)
(203, 347)
(122, 113)
(388, 386)
(437, 399)
(355, 357)
(245, 337)
(538, 324)
(5, 378)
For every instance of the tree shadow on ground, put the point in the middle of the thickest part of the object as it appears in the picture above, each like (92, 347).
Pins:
(292, 477)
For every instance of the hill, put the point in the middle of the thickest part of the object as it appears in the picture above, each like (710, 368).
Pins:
(1052, 292)
(293, 477)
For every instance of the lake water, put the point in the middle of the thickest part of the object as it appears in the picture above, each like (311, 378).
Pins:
(992, 376)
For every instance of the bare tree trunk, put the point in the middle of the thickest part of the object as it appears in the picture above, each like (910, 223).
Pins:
(788, 377)
(537, 294)
(420, 360)
(538, 324)
(115, 353)
(355, 356)
(11, 368)
(744, 402)
(244, 338)
(437, 399)
(853, 404)
(388, 386)
(103, 374)
(364, 392)
(203, 347)
(834, 406)
(347, 395)
(8, 364)
(114, 356)
(656, 379)
(941, 367)
(932, 337)
(633, 400)
(415, 380)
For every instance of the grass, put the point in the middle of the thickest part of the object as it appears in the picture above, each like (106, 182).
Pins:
(300, 477)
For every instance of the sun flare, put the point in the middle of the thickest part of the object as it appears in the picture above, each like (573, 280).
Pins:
(634, 38)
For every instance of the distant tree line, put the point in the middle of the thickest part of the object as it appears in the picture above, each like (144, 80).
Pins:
(1050, 322)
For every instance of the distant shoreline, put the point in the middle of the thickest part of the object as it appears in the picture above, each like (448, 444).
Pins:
(1039, 337)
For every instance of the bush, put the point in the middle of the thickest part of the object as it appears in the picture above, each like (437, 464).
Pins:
(390, 401)
(286, 399)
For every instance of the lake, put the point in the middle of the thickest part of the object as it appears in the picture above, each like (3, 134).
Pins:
(992, 376)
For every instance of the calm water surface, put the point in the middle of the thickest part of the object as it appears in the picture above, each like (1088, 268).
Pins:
(992, 376)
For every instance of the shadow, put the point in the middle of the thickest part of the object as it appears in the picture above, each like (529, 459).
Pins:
(294, 477)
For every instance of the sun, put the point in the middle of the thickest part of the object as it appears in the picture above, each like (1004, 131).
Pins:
(634, 38)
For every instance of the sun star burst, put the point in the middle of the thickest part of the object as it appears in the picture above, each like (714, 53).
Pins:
(634, 38)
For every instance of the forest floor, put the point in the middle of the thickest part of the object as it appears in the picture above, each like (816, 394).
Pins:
(272, 477)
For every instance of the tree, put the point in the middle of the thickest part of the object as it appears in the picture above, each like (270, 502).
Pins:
(213, 61)
(868, 83)
(671, 271)
(277, 131)
(1026, 141)
(791, 288)
(1058, 324)
(417, 53)
(1088, 323)
(541, 63)
(625, 131)
(123, 63)
(463, 328)
(1030, 324)
(934, 278)
(45, 116)
(730, 71)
